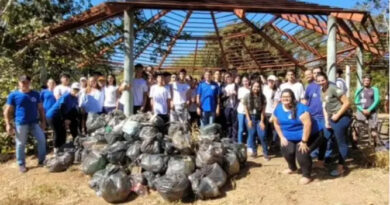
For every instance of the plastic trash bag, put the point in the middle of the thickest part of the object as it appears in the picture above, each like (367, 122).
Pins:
(149, 177)
(211, 132)
(93, 162)
(241, 152)
(231, 164)
(138, 184)
(151, 146)
(182, 142)
(134, 151)
(111, 137)
(131, 129)
(60, 163)
(172, 187)
(99, 134)
(158, 122)
(207, 181)
(149, 132)
(181, 165)
(168, 147)
(94, 122)
(116, 153)
(96, 179)
(115, 117)
(156, 163)
(115, 186)
(140, 117)
(175, 127)
(209, 153)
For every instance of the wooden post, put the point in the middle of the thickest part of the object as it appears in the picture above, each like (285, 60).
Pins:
(331, 49)
(128, 68)
(348, 78)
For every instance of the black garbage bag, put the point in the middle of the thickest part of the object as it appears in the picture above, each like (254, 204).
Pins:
(151, 146)
(134, 151)
(115, 117)
(156, 163)
(138, 184)
(175, 127)
(207, 181)
(211, 132)
(149, 132)
(182, 142)
(149, 177)
(231, 165)
(78, 155)
(241, 152)
(168, 147)
(116, 153)
(94, 122)
(99, 134)
(60, 163)
(158, 122)
(88, 142)
(209, 153)
(172, 187)
(96, 179)
(182, 164)
(140, 117)
(115, 186)
(113, 134)
(93, 162)
(131, 130)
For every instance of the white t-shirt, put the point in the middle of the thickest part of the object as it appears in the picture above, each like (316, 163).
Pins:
(160, 95)
(242, 92)
(271, 98)
(230, 90)
(297, 88)
(179, 91)
(138, 88)
(61, 90)
(110, 96)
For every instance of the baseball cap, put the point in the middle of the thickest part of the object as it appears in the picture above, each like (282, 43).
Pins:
(83, 78)
(75, 86)
(24, 78)
(272, 77)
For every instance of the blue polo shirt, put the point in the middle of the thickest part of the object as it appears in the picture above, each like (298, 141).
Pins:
(209, 93)
(292, 129)
(313, 97)
(63, 106)
(25, 106)
(47, 99)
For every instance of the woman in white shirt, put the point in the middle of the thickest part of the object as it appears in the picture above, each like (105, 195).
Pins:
(92, 99)
(111, 94)
(272, 94)
(242, 92)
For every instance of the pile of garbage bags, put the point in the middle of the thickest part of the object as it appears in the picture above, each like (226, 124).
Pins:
(132, 155)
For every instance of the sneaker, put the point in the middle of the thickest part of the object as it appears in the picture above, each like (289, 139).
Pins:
(267, 158)
(22, 169)
(305, 180)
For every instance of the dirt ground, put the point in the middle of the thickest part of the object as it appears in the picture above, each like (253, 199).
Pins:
(260, 183)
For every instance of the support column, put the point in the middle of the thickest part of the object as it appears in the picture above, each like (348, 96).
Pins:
(348, 78)
(331, 49)
(359, 67)
(128, 67)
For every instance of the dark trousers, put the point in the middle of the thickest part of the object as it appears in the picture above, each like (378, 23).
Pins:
(194, 118)
(231, 123)
(58, 126)
(291, 152)
(165, 118)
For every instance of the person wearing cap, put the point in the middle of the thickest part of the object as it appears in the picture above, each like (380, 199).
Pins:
(271, 93)
(63, 114)
(23, 105)
(83, 83)
(47, 95)
(63, 88)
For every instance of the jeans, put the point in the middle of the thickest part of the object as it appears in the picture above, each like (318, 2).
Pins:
(340, 129)
(231, 123)
(207, 118)
(270, 130)
(291, 152)
(22, 132)
(179, 114)
(326, 149)
(254, 131)
(241, 127)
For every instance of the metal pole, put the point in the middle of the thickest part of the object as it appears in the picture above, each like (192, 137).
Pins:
(331, 49)
(348, 78)
(128, 68)
(359, 67)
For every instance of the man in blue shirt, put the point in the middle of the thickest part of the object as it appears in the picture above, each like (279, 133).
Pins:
(63, 114)
(47, 96)
(23, 105)
(208, 100)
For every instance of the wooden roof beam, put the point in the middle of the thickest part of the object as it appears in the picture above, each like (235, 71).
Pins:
(324, 57)
(173, 42)
(223, 56)
(358, 17)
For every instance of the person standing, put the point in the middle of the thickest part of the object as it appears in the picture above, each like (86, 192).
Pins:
(83, 83)
(367, 99)
(254, 106)
(193, 106)
(24, 105)
(63, 114)
(92, 99)
(337, 116)
(294, 85)
(242, 92)
(47, 96)
(208, 100)
(63, 88)
(160, 97)
(340, 82)
(180, 99)
(111, 94)
(218, 78)
(230, 103)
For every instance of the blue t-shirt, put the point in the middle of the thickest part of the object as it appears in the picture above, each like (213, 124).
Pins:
(313, 97)
(292, 129)
(47, 99)
(63, 106)
(25, 106)
(209, 93)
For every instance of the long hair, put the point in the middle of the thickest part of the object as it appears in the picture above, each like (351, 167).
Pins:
(252, 95)
(293, 102)
(113, 76)
(89, 86)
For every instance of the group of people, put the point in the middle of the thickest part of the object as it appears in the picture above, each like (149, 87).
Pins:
(298, 119)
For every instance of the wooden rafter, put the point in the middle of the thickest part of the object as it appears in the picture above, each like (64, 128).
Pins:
(342, 58)
(324, 57)
(250, 53)
(297, 41)
(173, 42)
(344, 27)
(223, 56)
(145, 47)
(269, 39)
